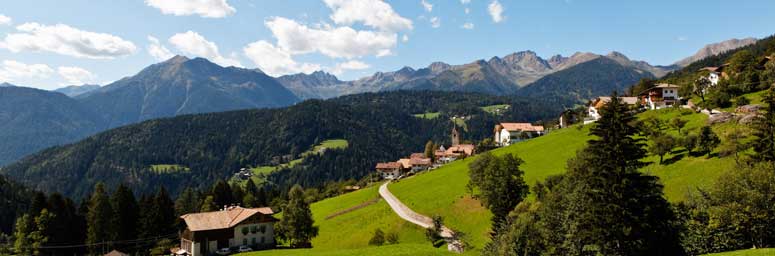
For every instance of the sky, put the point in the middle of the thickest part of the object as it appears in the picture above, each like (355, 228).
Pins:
(49, 44)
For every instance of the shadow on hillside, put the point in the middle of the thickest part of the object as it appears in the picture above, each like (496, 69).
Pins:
(674, 159)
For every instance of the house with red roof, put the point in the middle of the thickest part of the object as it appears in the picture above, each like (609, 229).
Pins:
(660, 96)
(389, 170)
(231, 227)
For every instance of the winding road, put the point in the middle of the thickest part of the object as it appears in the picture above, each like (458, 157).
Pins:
(409, 215)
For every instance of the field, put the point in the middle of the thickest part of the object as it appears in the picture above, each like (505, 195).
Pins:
(387, 250)
(260, 172)
(442, 191)
(751, 252)
(429, 115)
(168, 168)
(495, 109)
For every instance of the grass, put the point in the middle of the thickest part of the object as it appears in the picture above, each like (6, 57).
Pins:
(749, 252)
(494, 109)
(428, 115)
(442, 192)
(397, 250)
(168, 168)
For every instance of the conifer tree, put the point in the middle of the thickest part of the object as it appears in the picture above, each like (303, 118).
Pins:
(40, 236)
(764, 129)
(208, 205)
(125, 214)
(99, 228)
(187, 202)
(24, 226)
(222, 195)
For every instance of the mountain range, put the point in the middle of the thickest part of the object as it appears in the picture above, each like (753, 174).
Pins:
(716, 49)
(35, 119)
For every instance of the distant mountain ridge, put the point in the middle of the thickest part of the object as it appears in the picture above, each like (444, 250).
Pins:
(77, 90)
(716, 49)
(497, 76)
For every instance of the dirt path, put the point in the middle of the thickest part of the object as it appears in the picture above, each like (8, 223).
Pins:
(409, 215)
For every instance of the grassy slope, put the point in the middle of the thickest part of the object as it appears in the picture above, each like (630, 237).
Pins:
(751, 252)
(168, 168)
(492, 109)
(392, 250)
(443, 192)
(260, 172)
(429, 115)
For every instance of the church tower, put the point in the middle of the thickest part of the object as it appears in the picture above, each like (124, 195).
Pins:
(455, 136)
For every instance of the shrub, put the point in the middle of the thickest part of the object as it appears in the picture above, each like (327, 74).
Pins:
(392, 238)
(378, 238)
(741, 101)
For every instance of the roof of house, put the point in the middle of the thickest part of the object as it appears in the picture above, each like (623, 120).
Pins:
(468, 149)
(388, 165)
(663, 85)
(521, 127)
(420, 161)
(116, 253)
(626, 100)
(405, 162)
(417, 155)
(222, 219)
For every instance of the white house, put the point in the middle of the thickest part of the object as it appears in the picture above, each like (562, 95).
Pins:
(592, 112)
(660, 96)
(508, 133)
(389, 171)
(231, 227)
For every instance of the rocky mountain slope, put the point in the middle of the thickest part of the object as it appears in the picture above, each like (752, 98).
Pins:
(716, 49)
(77, 90)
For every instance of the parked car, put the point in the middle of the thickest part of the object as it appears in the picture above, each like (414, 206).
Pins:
(244, 248)
(223, 251)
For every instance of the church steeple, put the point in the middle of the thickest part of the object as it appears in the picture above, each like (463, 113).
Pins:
(455, 136)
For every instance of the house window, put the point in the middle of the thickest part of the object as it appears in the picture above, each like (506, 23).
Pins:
(263, 240)
(244, 241)
(253, 241)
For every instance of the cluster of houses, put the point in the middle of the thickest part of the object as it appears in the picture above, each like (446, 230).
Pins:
(418, 162)
(657, 97)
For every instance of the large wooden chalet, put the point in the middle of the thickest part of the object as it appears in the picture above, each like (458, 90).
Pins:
(231, 227)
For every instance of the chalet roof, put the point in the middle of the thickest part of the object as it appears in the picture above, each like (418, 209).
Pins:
(388, 165)
(521, 127)
(468, 149)
(417, 155)
(116, 253)
(405, 162)
(660, 86)
(420, 161)
(626, 100)
(222, 219)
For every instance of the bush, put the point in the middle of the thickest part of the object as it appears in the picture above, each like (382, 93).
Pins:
(392, 238)
(378, 239)
(741, 101)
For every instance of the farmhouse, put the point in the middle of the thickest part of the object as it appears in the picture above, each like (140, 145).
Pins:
(508, 133)
(716, 73)
(660, 96)
(592, 112)
(389, 170)
(233, 226)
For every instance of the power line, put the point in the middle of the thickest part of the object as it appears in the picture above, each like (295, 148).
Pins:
(144, 240)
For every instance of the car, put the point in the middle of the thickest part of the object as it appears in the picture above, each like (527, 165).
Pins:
(223, 251)
(244, 248)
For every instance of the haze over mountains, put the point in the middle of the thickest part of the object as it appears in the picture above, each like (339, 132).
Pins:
(33, 119)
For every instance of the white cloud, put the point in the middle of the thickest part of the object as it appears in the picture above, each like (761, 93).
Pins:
(335, 42)
(11, 70)
(465, 1)
(203, 8)
(192, 43)
(405, 38)
(427, 6)
(467, 10)
(682, 38)
(467, 25)
(373, 13)
(349, 65)
(157, 50)
(66, 40)
(275, 61)
(76, 75)
(496, 11)
(5, 20)
(435, 22)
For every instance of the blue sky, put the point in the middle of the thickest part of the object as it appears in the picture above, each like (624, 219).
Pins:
(50, 43)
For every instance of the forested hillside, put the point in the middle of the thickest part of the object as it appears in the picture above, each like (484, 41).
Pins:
(378, 127)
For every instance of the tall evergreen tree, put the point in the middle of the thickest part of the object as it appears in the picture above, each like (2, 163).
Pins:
(99, 228)
(65, 227)
(221, 193)
(125, 215)
(297, 225)
(158, 216)
(37, 204)
(24, 226)
(40, 236)
(764, 129)
(208, 205)
(608, 206)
